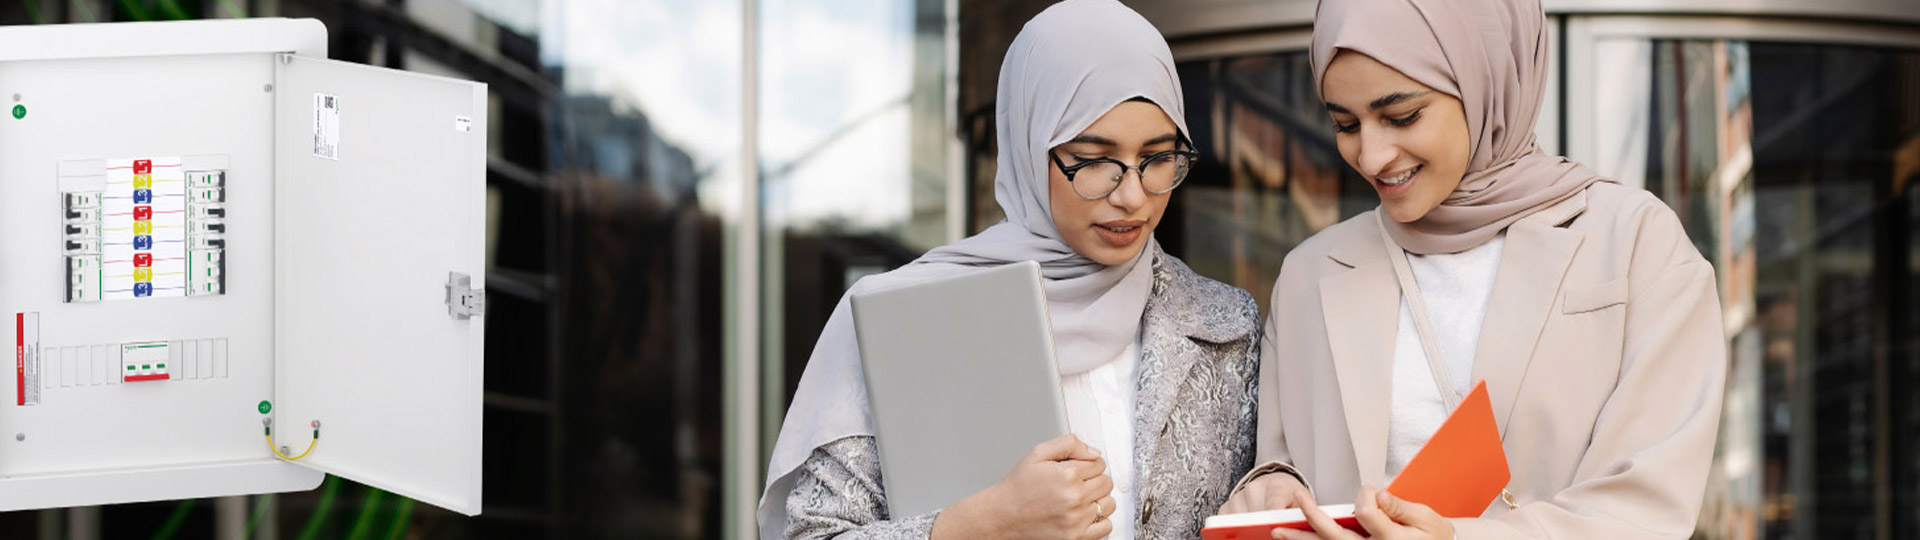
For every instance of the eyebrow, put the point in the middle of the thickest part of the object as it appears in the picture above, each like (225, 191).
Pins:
(1103, 141)
(1383, 101)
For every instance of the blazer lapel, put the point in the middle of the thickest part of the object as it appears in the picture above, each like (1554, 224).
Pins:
(1178, 313)
(1163, 372)
(1533, 264)
(1361, 308)
(1162, 368)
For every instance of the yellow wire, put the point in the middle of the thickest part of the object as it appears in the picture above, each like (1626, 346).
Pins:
(276, 448)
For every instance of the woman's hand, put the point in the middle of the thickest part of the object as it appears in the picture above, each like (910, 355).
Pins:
(1272, 491)
(1059, 490)
(1381, 514)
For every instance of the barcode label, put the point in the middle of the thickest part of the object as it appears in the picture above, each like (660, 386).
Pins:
(326, 126)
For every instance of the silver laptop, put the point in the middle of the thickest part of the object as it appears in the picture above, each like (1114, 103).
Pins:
(962, 382)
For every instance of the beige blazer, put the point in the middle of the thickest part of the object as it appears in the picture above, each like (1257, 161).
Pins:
(1602, 350)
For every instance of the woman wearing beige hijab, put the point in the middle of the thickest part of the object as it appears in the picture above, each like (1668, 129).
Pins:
(1581, 303)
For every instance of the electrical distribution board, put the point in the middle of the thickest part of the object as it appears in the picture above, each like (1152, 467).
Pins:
(231, 266)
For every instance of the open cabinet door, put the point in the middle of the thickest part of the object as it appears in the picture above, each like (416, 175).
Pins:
(380, 197)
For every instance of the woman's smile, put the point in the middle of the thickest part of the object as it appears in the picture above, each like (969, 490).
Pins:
(1393, 187)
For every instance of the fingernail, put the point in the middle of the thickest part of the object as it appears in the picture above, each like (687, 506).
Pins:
(1096, 451)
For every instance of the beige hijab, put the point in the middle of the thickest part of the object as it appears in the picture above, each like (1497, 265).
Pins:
(1492, 55)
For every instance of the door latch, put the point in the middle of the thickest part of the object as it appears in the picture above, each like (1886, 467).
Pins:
(464, 301)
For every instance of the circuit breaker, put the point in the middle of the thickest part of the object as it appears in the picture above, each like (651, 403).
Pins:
(231, 266)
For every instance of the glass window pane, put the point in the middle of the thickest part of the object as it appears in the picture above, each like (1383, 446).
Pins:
(1269, 176)
(854, 145)
(646, 139)
(1791, 166)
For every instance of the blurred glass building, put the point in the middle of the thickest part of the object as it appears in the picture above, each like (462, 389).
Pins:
(680, 191)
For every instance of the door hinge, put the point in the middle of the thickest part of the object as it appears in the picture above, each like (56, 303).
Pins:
(464, 301)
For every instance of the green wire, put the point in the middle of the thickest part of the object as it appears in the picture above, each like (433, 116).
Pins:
(260, 506)
(320, 512)
(86, 11)
(400, 521)
(179, 517)
(325, 508)
(173, 9)
(365, 520)
(33, 11)
(133, 10)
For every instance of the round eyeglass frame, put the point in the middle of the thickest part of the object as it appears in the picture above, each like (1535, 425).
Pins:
(1138, 171)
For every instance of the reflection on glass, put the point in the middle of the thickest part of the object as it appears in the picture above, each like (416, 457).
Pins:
(854, 143)
(1792, 167)
(1271, 176)
(646, 136)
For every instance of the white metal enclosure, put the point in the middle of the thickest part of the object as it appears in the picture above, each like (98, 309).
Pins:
(330, 217)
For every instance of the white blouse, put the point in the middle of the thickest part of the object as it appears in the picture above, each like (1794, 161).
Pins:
(1100, 407)
(1456, 288)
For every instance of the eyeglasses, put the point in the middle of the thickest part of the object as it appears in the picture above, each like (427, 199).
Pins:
(1159, 173)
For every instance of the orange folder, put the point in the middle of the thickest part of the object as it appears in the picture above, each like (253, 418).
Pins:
(1459, 472)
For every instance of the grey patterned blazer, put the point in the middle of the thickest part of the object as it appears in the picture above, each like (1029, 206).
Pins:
(1193, 423)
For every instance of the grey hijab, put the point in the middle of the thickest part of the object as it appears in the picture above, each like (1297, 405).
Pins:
(1070, 65)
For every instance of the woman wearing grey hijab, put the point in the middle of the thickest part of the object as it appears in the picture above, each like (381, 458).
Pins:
(1156, 362)
(1582, 305)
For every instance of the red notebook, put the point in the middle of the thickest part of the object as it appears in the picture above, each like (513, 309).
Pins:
(1459, 472)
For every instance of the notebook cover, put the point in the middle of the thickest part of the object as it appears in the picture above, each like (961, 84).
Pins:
(1458, 472)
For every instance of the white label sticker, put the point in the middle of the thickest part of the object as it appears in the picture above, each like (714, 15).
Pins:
(326, 126)
(462, 124)
(27, 358)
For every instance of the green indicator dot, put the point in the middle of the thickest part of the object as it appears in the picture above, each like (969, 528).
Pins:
(19, 111)
(265, 407)
(129, 368)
